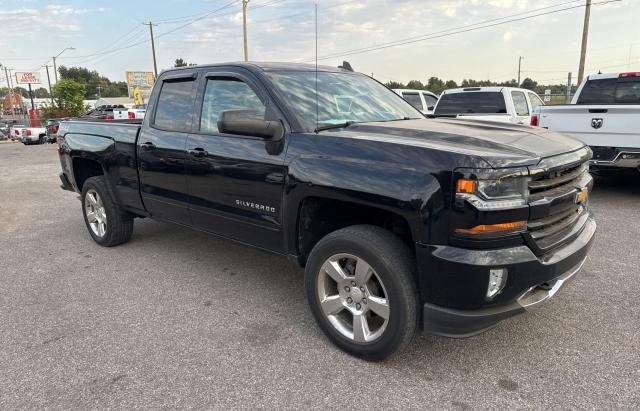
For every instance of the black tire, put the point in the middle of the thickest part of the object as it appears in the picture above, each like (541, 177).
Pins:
(394, 264)
(119, 227)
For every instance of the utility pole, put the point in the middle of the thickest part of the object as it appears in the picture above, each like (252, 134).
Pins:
(153, 47)
(6, 73)
(568, 88)
(585, 34)
(519, 66)
(13, 113)
(244, 29)
(49, 81)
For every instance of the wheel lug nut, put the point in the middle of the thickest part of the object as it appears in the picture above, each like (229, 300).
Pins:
(349, 300)
(347, 289)
(353, 283)
(358, 306)
(362, 289)
(364, 300)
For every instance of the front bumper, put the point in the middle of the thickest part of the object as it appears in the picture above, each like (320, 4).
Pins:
(454, 282)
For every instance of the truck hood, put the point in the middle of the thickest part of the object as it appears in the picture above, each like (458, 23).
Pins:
(498, 144)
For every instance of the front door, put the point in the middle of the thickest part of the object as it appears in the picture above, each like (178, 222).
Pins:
(235, 182)
(161, 150)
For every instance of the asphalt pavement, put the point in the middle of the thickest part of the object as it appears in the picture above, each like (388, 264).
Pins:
(178, 319)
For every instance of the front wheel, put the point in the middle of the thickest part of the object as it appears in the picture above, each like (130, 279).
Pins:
(108, 225)
(361, 289)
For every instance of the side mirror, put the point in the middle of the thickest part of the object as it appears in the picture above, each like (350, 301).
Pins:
(249, 123)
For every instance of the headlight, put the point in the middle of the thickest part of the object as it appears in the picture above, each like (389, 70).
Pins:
(494, 189)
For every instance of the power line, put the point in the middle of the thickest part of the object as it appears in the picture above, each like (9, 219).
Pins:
(457, 30)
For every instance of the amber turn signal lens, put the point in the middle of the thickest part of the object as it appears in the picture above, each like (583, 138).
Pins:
(492, 228)
(466, 186)
(583, 196)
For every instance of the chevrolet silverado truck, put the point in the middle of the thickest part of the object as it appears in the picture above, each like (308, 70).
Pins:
(403, 224)
(604, 114)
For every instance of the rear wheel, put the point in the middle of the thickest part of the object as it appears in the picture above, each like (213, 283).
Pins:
(360, 286)
(107, 224)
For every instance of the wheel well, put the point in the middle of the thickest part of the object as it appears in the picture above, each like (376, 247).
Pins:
(83, 169)
(320, 216)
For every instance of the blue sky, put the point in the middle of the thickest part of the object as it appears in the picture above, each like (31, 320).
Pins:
(283, 30)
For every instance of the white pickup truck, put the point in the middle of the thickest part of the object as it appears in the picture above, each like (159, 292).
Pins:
(605, 114)
(498, 104)
(135, 112)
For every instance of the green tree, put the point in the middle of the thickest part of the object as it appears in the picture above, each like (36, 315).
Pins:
(182, 63)
(450, 84)
(435, 85)
(394, 84)
(68, 97)
(529, 84)
(95, 84)
(41, 92)
(415, 85)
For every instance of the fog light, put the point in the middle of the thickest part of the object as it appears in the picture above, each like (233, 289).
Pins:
(497, 280)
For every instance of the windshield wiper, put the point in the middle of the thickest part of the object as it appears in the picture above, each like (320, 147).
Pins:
(332, 126)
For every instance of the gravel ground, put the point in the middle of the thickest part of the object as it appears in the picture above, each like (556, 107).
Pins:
(177, 319)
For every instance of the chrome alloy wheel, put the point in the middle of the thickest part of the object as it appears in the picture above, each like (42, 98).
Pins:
(353, 298)
(95, 212)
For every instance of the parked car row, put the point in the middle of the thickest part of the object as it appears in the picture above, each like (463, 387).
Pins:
(604, 113)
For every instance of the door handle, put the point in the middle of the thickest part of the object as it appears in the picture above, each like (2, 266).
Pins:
(147, 146)
(198, 152)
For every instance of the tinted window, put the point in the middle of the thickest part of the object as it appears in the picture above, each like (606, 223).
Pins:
(535, 101)
(484, 102)
(430, 100)
(226, 94)
(175, 105)
(520, 103)
(413, 99)
(628, 91)
(598, 92)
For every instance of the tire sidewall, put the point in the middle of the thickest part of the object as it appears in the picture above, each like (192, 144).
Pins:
(89, 185)
(399, 322)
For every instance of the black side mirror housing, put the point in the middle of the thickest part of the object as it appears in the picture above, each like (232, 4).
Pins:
(249, 123)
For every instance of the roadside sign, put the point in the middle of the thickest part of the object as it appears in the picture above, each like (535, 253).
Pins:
(143, 80)
(27, 77)
(137, 96)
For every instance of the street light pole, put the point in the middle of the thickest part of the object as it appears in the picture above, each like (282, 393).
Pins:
(55, 69)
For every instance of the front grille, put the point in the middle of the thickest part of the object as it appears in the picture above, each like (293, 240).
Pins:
(557, 214)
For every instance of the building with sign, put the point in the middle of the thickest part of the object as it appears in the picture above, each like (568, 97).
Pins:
(143, 80)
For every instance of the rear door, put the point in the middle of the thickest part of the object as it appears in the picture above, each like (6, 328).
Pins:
(521, 107)
(235, 182)
(161, 148)
(414, 99)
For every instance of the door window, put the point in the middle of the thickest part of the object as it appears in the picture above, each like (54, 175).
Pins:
(175, 106)
(535, 101)
(520, 103)
(413, 99)
(430, 101)
(224, 94)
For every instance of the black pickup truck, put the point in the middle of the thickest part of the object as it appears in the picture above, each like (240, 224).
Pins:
(402, 223)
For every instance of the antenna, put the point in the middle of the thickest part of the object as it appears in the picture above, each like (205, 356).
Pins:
(317, 110)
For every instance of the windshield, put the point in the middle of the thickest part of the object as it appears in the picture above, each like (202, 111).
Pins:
(342, 98)
(484, 102)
